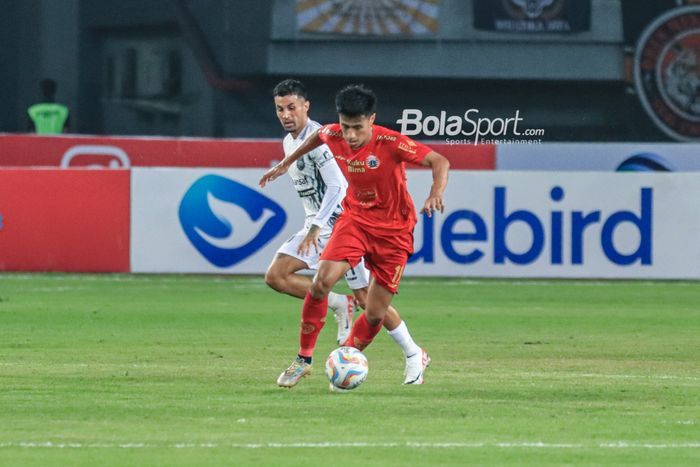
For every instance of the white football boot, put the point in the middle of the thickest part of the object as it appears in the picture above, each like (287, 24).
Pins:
(415, 367)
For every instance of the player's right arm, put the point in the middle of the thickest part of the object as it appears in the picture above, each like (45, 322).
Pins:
(410, 151)
(309, 144)
(440, 166)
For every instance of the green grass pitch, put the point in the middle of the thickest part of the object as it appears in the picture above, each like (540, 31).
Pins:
(116, 370)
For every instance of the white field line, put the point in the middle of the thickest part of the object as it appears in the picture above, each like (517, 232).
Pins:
(557, 375)
(330, 444)
(55, 289)
(118, 277)
(499, 281)
(498, 374)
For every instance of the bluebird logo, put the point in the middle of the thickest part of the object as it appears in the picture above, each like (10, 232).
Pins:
(227, 221)
(549, 232)
(645, 162)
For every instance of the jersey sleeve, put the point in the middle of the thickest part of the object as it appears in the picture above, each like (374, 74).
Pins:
(322, 156)
(329, 132)
(410, 151)
(336, 186)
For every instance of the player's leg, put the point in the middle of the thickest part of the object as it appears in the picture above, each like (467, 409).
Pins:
(313, 313)
(370, 322)
(364, 330)
(398, 331)
(344, 250)
(392, 319)
(387, 259)
(282, 274)
(313, 317)
(357, 279)
(413, 353)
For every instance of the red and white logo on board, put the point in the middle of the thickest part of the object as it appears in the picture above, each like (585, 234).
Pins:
(667, 72)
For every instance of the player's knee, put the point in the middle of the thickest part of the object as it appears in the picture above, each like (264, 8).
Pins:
(321, 286)
(374, 320)
(274, 279)
(375, 316)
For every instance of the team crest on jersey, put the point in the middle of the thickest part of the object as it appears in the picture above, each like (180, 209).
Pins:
(372, 161)
(667, 72)
(301, 165)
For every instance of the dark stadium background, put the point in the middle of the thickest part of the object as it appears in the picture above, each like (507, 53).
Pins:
(223, 57)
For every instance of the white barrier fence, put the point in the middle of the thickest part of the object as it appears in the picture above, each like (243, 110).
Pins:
(497, 224)
(606, 157)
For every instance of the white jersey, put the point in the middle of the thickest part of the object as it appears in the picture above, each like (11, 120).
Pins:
(318, 180)
(321, 186)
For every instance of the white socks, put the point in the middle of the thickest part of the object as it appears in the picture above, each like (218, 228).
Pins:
(403, 338)
(337, 302)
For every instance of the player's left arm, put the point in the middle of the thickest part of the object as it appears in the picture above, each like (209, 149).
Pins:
(440, 167)
(336, 186)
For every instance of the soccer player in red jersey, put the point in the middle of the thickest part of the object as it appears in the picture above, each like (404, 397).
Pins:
(321, 187)
(378, 218)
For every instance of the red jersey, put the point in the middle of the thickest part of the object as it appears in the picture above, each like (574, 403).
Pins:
(377, 195)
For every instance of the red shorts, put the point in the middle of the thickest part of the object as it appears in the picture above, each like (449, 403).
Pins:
(385, 252)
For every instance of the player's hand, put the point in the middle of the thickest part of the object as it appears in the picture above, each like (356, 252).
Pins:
(432, 204)
(311, 239)
(273, 173)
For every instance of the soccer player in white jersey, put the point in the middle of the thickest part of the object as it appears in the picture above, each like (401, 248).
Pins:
(321, 186)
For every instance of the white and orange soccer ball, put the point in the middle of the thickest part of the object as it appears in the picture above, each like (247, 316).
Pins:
(346, 368)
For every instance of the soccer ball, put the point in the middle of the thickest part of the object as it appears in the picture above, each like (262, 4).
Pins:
(346, 368)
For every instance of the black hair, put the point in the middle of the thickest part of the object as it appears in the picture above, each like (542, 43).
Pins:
(48, 88)
(356, 100)
(289, 87)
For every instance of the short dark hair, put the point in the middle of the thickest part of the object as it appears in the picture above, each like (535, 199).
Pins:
(48, 87)
(290, 87)
(356, 100)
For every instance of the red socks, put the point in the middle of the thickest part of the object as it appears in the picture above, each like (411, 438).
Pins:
(313, 317)
(362, 333)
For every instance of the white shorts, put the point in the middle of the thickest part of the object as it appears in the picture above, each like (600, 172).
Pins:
(357, 277)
